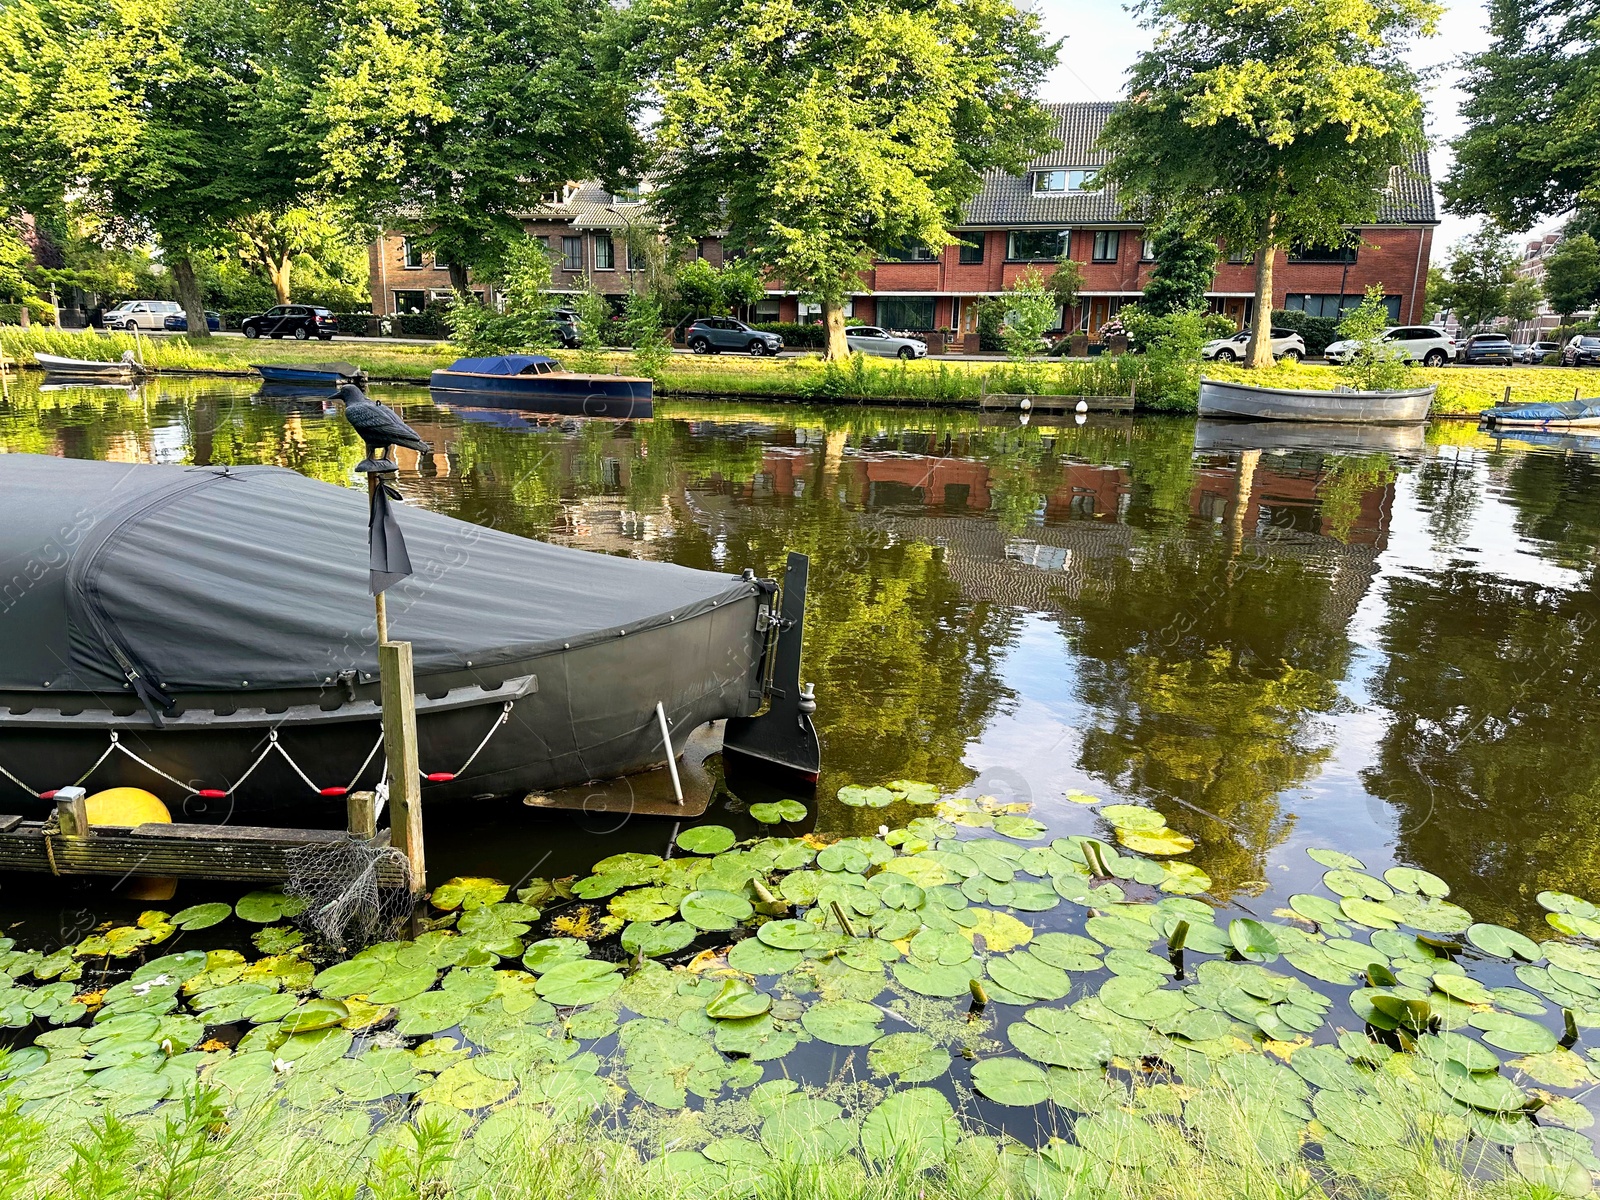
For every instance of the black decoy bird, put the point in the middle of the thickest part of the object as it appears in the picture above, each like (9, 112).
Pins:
(378, 426)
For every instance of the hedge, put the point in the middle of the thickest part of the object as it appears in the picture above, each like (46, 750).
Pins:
(38, 314)
(797, 336)
(1319, 332)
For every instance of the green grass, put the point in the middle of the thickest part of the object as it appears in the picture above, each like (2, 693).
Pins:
(1461, 391)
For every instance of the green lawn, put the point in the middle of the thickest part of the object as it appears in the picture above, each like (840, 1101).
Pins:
(1462, 391)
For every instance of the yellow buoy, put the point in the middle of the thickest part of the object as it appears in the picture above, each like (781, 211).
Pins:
(126, 807)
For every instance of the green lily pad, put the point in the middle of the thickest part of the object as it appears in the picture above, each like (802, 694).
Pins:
(843, 1022)
(266, 908)
(909, 1057)
(1133, 817)
(778, 811)
(313, 1015)
(1120, 1137)
(737, 1000)
(1335, 859)
(1419, 882)
(1252, 939)
(754, 957)
(803, 1129)
(1160, 841)
(641, 937)
(579, 981)
(1011, 1081)
(202, 916)
(913, 792)
(468, 892)
(1371, 913)
(1565, 902)
(1060, 1039)
(1069, 951)
(1546, 1168)
(174, 968)
(866, 797)
(1359, 1119)
(1024, 829)
(934, 979)
(1504, 943)
(647, 904)
(789, 934)
(706, 839)
(1028, 976)
(1135, 997)
(912, 1128)
(713, 910)
(1518, 1035)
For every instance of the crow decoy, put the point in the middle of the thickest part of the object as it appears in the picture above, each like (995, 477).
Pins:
(378, 426)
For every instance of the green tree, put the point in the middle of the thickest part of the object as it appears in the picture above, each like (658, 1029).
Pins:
(1268, 124)
(1066, 281)
(821, 135)
(641, 326)
(1572, 275)
(1376, 365)
(1186, 264)
(1031, 308)
(1531, 96)
(1479, 275)
(527, 307)
(594, 318)
(272, 239)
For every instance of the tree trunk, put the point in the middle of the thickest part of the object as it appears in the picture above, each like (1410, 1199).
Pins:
(194, 304)
(278, 268)
(1259, 353)
(833, 318)
(458, 279)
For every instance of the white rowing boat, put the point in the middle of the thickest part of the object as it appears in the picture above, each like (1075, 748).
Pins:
(55, 364)
(1248, 402)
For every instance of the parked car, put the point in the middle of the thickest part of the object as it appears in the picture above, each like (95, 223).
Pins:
(1539, 351)
(1520, 352)
(1582, 351)
(1286, 343)
(564, 321)
(299, 321)
(179, 322)
(869, 339)
(142, 314)
(1426, 344)
(1488, 349)
(713, 335)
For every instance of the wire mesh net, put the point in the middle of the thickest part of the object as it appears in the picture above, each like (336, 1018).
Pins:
(356, 893)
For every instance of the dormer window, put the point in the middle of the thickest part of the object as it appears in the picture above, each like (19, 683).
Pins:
(1059, 181)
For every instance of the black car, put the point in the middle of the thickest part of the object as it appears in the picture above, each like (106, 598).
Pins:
(1488, 348)
(179, 322)
(1582, 351)
(299, 321)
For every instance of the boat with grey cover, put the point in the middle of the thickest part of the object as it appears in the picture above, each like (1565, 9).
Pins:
(1244, 401)
(206, 633)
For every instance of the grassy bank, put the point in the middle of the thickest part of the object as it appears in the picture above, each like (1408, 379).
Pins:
(1461, 391)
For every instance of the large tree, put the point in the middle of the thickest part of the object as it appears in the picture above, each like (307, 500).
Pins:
(1572, 274)
(821, 135)
(448, 119)
(1480, 275)
(1186, 264)
(1529, 150)
(1269, 123)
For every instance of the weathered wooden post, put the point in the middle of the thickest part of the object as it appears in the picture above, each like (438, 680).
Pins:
(361, 815)
(400, 747)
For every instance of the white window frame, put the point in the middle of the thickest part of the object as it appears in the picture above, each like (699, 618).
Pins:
(1073, 179)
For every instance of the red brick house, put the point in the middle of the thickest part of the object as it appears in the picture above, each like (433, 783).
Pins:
(1016, 223)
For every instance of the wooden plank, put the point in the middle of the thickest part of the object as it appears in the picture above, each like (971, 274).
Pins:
(223, 834)
(398, 685)
(7, 824)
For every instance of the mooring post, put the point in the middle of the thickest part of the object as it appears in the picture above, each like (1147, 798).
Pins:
(361, 809)
(72, 813)
(400, 748)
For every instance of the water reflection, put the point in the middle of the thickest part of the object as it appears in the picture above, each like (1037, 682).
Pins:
(1251, 631)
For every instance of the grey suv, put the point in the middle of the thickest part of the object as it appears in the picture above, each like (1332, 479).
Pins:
(713, 335)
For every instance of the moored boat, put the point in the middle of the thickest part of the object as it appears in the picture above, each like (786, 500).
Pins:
(123, 368)
(330, 373)
(539, 383)
(1324, 437)
(1564, 414)
(1219, 398)
(207, 634)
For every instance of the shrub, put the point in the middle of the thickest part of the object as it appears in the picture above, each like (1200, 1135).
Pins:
(797, 336)
(1565, 333)
(1168, 363)
(1375, 366)
(431, 322)
(1318, 332)
(39, 313)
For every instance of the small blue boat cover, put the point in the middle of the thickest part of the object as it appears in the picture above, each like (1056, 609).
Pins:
(1566, 410)
(502, 364)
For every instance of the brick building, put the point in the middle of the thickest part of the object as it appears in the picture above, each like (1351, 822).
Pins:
(1017, 223)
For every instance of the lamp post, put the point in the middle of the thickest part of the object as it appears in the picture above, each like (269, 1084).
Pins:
(627, 240)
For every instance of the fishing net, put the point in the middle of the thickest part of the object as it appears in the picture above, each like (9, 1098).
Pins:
(356, 893)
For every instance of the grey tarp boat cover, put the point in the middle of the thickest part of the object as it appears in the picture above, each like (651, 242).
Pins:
(246, 578)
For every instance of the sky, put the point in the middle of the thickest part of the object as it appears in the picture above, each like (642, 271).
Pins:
(1103, 39)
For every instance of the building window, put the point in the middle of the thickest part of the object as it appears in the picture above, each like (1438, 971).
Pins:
(1332, 306)
(1036, 245)
(766, 311)
(1147, 250)
(910, 252)
(412, 254)
(405, 302)
(572, 254)
(605, 253)
(1323, 254)
(1241, 258)
(971, 253)
(1047, 183)
(906, 312)
(1106, 244)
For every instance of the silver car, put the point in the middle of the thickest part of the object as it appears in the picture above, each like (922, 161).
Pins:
(869, 339)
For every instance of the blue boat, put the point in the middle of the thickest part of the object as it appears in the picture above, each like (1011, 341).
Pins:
(328, 374)
(535, 382)
(1565, 414)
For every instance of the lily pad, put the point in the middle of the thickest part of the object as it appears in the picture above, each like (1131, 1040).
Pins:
(468, 892)
(713, 910)
(909, 1057)
(779, 811)
(737, 1000)
(706, 839)
(789, 934)
(1060, 1039)
(1160, 841)
(912, 1128)
(579, 981)
(313, 1015)
(1024, 829)
(1518, 1035)
(843, 1022)
(1504, 943)
(755, 957)
(1335, 859)
(640, 937)
(933, 979)
(202, 916)
(265, 908)
(1013, 1082)
(1028, 976)
(866, 797)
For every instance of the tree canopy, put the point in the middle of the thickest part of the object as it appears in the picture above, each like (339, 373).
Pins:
(1269, 123)
(1186, 263)
(1479, 277)
(821, 135)
(1572, 274)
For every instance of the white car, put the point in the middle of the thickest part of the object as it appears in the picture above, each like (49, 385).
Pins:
(1426, 344)
(869, 339)
(142, 314)
(1286, 343)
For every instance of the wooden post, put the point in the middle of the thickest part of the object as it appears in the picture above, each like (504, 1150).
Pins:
(72, 813)
(1507, 400)
(400, 747)
(362, 815)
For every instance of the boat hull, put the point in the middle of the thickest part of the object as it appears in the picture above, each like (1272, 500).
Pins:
(570, 717)
(1242, 401)
(56, 365)
(615, 396)
(1566, 414)
(329, 375)
(1325, 437)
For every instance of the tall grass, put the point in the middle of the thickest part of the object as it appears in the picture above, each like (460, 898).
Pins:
(174, 354)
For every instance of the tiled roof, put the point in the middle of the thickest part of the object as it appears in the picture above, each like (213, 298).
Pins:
(589, 207)
(1008, 200)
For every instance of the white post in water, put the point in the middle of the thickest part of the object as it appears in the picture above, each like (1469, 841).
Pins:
(672, 758)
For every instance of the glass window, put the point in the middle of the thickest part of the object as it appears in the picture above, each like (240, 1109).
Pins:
(910, 252)
(971, 251)
(408, 302)
(767, 310)
(605, 253)
(1035, 245)
(572, 254)
(1147, 250)
(1063, 180)
(1333, 306)
(412, 253)
(1322, 254)
(1106, 244)
(909, 312)
(1241, 257)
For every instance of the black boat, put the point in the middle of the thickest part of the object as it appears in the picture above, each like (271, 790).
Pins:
(206, 633)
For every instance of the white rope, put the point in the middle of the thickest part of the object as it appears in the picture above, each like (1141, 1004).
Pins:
(250, 770)
(19, 783)
(505, 715)
(274, 743)
(116, 744)
(365, 763)
(96, 766)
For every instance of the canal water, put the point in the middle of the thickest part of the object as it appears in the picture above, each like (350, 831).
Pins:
(1385, 646)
